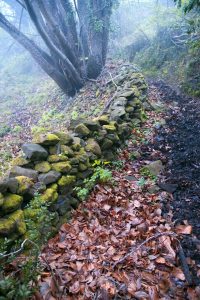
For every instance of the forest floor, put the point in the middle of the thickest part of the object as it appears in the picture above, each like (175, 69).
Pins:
(137, 237)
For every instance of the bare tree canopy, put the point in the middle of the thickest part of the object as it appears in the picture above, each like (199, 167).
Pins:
(74, 33)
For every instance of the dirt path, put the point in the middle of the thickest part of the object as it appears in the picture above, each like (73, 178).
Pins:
(179, 141)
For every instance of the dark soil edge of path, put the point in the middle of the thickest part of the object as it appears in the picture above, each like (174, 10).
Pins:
(179, 142)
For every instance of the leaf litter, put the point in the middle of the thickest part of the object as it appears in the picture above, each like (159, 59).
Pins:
(118, 244)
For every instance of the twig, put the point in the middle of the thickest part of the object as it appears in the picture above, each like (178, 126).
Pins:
(112, 79)
(142, 244)
(20, 249)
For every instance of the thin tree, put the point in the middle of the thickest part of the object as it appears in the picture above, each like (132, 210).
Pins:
(75, 35)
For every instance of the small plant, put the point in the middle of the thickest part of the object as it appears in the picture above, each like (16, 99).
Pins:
(141, 182)
(17, 129)
(100, 175)
(118, 164)
(74, 115)
(146, 173)
(4, 130)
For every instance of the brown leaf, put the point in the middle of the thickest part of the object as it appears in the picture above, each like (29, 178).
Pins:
(183, 229)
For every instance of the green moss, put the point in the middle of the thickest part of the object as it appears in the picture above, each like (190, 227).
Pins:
(13, 223)
(66, 150)
(62, 167)
(48, 139)
(24, 184)
(93, 147)
(82, 130)
(129, 109)
(1, 199)
(7, 226)
(135, 91)
(18, 217)
(76, 147)
(20, 161)
(103, 120)
(31, 213)
(65, 138)
(57, 158)
(110, 128)
(83, 167)
(49, 196)
(107, 144)
(11, 203)
(67, 180)
(43, 167)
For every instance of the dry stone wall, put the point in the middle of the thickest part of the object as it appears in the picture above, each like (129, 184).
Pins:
(54, 163)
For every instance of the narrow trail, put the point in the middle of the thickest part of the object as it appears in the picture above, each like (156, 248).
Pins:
(179, 142)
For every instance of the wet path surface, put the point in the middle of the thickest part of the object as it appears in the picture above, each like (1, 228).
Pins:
(179, 141)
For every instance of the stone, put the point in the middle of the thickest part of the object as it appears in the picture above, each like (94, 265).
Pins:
(67, 180)
(20, 161)
(11, 203)
(129, 109)
(37, 188)
(93, 147)
(92, 125)
(82, 130)
(117, 113)
(34, 152)
(82, 167)
(3, 185)
(56, 149)
(66, 150)
(107, 144)
(103, 120)
(24, 184)
(57, 158)
(20, 225)
(110, 128)
(62, 205)
(120, 101)
(155, 167)
(43, 167)
(62, 167)
(127, 93)
(1, 199)
(48, 139)
(64, 137)
(7, 226)
(50, 195)
(19, 171)
(50, 177)
(13, 185)
(168, 187)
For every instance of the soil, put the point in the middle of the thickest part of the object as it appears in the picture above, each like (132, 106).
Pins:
(179, 142)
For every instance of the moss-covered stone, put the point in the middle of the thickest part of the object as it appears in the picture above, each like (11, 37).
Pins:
(18, 217)
(83, 167)
(13, 223)
(66, 150)
(7, 226)
(50, 195)
(103, 120)
(76, 147)
(92, 125)
(48, 139)
(31, 214)
(1, 199)
(24, 184)
(107, 144)
(20, 161)
(82, 130)
(62, 167)
(74, 161)
(129, 109)
(11, 203)
(57, 158)
(43, 167)
(65, 138)
(67, 180)
(56, 149)
(93, 147)
(110, 128)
